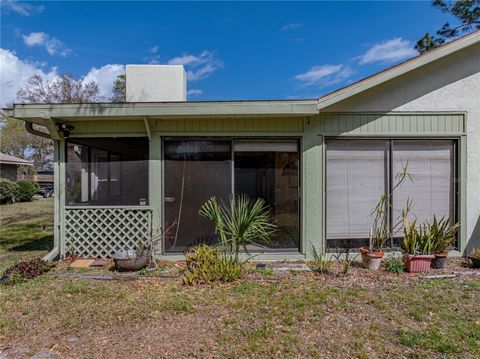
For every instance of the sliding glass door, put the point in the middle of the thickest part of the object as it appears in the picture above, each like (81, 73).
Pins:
(358, 172)
(195, 170)
(269, 170)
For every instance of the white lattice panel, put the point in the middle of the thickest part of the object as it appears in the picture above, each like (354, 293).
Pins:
(100, 232)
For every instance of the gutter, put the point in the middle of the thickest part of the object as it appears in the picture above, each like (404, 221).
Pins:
(30, 129)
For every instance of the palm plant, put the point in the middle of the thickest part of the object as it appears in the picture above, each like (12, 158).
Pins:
(240, 222)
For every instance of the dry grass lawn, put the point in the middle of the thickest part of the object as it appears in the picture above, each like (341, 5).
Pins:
(267, 315)
(26, 231)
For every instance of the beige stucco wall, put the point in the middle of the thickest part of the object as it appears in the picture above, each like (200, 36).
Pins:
(448, 84)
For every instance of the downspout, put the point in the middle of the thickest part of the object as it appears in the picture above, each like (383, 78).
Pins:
(55, 252)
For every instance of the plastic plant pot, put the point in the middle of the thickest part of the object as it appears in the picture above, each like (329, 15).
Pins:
(418, 263)
(439, 261)
(475, 262)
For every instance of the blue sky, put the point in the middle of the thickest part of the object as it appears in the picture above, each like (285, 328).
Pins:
(230, 50)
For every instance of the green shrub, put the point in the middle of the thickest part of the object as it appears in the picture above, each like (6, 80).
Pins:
(25, 191)
(206, 264)
(395, 265)
(7, 190)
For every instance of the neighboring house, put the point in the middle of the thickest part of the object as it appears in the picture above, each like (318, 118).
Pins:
(44, 177)
(9, 165)
(125, 170)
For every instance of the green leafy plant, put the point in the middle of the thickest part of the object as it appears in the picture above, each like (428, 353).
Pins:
(25, 191)
(321, 263)
(347, 261)
(207, 264)
(381, 230)
(443, 234)
(395, 265)
(429, 238)
(239, 223)
(475, 253)
(25, 270)
(417, 240)
(7, 191)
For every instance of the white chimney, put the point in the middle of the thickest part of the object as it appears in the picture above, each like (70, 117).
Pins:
(156, 83)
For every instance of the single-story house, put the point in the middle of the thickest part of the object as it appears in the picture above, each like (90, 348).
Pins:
(125, 170)
(9, 165)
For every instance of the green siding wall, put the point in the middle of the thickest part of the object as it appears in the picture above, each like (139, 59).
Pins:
(215, 125)
(394, 124)
(109, 127)
(312, 131)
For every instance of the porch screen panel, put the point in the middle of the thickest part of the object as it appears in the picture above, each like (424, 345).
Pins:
(194, 171)
(431, 166)
(107, 171)
(356, 176)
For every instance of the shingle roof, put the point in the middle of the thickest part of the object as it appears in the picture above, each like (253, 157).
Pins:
(12, 160)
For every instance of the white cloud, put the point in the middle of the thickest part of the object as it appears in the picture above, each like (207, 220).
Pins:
(104, 77)
(153, 49)
(14, 74)
(53, 45)
(325, 75)
(198, 66)
(194, 92)
(20, 8)
(389, 51)
(293, 26)
(35, 38)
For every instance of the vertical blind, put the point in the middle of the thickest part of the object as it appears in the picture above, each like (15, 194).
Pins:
(358, 173)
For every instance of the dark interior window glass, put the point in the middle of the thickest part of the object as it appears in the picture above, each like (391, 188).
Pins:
(107, 171)
(269, 170)
(194, 172)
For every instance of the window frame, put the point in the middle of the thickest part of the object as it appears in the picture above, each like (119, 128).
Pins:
(455, 190)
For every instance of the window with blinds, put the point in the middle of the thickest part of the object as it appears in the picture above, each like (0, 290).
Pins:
(358, 172)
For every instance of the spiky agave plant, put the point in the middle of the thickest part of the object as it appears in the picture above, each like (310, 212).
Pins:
(240, 222)
(443, 233)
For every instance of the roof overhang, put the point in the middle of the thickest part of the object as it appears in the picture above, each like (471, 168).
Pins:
(139, 110)
(398, 70)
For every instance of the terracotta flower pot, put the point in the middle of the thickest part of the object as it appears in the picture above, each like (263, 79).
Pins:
(418, 263)
(371, 260)
(439, 260)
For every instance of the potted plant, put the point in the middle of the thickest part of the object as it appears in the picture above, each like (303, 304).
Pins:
(418, 247)
(475, 258)
(381, 230)
(135, 259)
(443, 235)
